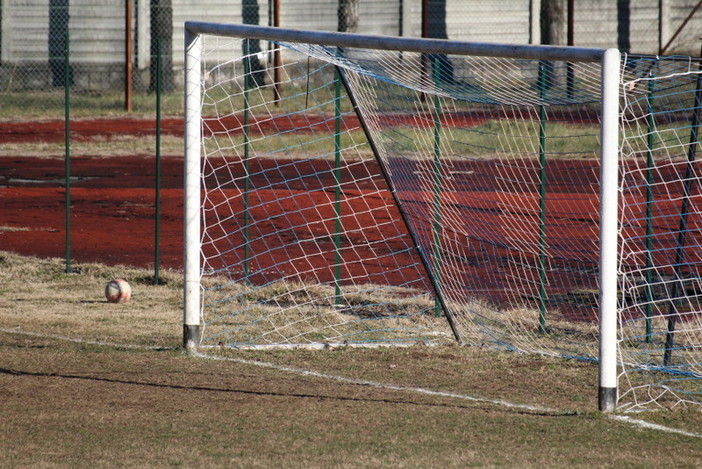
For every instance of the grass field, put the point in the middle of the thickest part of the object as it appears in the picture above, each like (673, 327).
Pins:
(86, 383)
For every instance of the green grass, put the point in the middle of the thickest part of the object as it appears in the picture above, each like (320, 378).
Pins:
(498, 137)
(494, 139)
(118, 145)
(29, 105)
(506, 138)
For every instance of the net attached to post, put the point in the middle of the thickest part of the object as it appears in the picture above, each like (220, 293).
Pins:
(375, 197)
(661, 266)
(456, 191)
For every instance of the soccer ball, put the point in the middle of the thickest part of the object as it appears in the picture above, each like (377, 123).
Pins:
(118, 291)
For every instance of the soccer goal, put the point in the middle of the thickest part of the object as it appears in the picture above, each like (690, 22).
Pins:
(351, 190)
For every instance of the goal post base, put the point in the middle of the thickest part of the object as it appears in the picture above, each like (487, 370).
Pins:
(191, 337)
(607, 399)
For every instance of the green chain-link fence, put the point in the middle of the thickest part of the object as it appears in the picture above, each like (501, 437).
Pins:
(64, 60)
(109, 39)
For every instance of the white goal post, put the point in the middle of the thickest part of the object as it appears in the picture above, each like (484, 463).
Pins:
(198, 71)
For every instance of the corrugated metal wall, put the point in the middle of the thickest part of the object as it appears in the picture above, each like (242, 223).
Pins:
(97, 26)
(506, 22)
(596, 24)
(25, 32)
(690, 37)
(97, 31)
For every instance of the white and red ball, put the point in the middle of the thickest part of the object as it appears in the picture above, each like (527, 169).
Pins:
(118, 291)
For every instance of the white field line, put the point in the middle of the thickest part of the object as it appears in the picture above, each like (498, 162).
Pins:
(652, 426)
(361, 382)
(498, 402)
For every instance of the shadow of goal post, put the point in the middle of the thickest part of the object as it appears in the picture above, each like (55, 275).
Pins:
(609, 130)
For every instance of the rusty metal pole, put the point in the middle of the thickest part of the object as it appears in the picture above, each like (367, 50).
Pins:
(687, 19)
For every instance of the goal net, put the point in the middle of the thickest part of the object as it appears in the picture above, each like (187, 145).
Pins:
(347, 190)
(660, 312)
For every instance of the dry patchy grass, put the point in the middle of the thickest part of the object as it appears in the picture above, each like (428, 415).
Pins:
(68, 402)
(119, 145)
(37, 295)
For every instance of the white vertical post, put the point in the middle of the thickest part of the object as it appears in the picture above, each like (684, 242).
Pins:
(142, 35)
(609, 178)
(663, 24)
(535, 22)
(191, 300)
(5, 26)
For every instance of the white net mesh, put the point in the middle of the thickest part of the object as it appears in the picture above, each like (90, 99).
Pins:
(373, 197)
(303, 243)
(661, 318)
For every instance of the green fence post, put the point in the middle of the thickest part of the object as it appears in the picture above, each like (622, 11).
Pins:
(337, 190)
(247, 180)
(67, 146)
(437, 183)
(157, 202)
(542, 198)
(650, 140)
